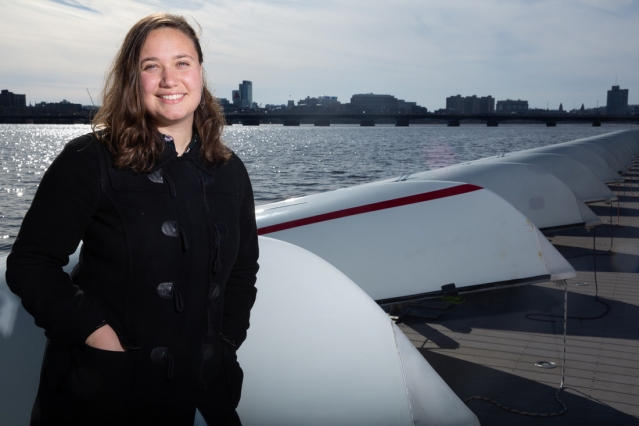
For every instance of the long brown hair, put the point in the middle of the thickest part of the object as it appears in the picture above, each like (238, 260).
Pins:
(122, 123)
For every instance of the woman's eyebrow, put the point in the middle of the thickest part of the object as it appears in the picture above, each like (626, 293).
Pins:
(178, 56)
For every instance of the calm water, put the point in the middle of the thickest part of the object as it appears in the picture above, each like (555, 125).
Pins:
(291, 161)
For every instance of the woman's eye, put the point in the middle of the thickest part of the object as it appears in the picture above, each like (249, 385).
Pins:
(183, 64)
(149, 66)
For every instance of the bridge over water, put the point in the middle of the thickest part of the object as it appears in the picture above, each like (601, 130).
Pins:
(326, 119)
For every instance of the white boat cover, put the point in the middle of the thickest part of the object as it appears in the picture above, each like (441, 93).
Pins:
(333, 353)
(603, 153)
(538, 194)
(586, 157)
(623, 144)
(583, 182)
(405, 240)
(321, 352)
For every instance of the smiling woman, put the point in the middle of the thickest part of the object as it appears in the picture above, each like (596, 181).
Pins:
(145, 329)
(157, 83)
(171, 79)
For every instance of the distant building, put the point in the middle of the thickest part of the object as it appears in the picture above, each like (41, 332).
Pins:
(470, 104)
(455, 104)
(617, 101)
(237, 98)
(63, 108)
(290, 104)
(486, 105)
(243, 97)
(380, 103)
(274, 106)
(320, 101)
(246, 94)
(509, 106)
(328, 100)
(12, 100)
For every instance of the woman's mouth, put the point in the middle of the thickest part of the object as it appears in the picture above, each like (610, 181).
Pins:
(172, 97)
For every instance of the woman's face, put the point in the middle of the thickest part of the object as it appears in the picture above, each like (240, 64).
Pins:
(171, 78)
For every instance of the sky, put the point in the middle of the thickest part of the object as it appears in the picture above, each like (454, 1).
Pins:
(544, 51)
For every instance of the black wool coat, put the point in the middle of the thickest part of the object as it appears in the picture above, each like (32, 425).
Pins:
(169, 261)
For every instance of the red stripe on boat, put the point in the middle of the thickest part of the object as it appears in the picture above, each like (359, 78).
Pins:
(367, 208)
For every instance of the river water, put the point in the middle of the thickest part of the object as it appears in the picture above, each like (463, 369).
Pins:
(291, 161)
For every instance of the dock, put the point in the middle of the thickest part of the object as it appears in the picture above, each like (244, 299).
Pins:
(488, 345)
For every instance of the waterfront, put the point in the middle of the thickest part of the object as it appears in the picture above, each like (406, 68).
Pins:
(291, 161)
(485, 346)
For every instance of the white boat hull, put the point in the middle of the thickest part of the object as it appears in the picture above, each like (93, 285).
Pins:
(406, 240)
(538, 194)
(319, 351)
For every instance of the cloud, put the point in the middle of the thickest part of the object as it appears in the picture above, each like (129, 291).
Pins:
(419, 50)
(167, 5)
(74, 3)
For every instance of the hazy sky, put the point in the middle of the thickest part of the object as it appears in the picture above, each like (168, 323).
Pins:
(544, 51)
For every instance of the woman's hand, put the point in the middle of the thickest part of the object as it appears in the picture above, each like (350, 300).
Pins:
(104, 338)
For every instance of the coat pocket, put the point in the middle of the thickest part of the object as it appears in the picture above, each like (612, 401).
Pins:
(99, 380)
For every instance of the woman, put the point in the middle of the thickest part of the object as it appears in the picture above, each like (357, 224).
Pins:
(145, 328)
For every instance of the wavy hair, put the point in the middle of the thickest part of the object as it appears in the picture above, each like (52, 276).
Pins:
(122, 122)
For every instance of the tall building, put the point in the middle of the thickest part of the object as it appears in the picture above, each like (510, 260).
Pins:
(486, 105)
(11, 100)
(617, 101)
(509, 105)
(246, 94)
(455, 104)
(470, 104)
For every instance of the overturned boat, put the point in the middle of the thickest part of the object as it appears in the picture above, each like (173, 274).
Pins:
(413, 239)
(336, 356)
(541, 196)
(584, 182)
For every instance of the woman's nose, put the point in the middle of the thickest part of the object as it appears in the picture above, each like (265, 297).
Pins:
(168, 78)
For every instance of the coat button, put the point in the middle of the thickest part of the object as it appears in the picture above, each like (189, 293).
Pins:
(158, 355)
(170, 228)
(207, 352)
(156, 176)
(222, 229)
(208, 179)
(165, 290)
(215, 291)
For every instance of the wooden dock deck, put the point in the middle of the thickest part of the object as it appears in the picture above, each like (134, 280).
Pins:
(487, 346)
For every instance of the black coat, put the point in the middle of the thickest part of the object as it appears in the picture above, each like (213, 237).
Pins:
(169, 261)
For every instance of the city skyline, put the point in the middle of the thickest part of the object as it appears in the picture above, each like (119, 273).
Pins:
(548, 52)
